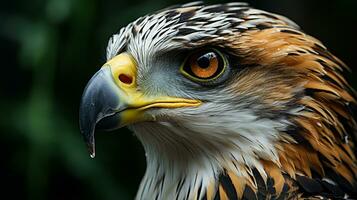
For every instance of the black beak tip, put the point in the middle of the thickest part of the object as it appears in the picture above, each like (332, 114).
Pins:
(91, 149)
(87, 131)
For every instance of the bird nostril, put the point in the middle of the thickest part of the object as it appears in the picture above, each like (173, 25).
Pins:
(125, 79)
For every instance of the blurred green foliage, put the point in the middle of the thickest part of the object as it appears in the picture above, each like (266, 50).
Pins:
(49, 50)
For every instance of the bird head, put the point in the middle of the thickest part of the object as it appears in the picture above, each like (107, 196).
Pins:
(225, 87)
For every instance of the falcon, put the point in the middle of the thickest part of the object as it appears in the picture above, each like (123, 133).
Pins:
(229, 102)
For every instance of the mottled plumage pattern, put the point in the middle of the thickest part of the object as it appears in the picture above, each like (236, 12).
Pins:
(279, 74)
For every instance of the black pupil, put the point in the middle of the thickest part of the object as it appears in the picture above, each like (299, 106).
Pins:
(205, 60)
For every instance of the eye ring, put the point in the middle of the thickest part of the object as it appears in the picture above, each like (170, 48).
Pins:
(204, 65)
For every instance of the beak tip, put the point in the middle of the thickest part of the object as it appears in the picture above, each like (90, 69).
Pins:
(91, 149)
(89, 140)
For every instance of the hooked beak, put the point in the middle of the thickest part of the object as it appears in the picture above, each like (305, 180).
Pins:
(112, 100)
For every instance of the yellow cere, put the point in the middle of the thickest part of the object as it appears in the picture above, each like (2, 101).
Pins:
(125, 64)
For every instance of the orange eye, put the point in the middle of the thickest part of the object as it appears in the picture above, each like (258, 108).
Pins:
(204, 65)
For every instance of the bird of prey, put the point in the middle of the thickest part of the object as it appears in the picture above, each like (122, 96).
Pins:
(229, 102)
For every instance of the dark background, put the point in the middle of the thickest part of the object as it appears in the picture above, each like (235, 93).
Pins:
(50, 48)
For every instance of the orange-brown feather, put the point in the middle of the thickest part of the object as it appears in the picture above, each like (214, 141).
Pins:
(325, 123)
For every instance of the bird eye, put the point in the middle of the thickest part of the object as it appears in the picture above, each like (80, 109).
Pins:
(204, 65)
